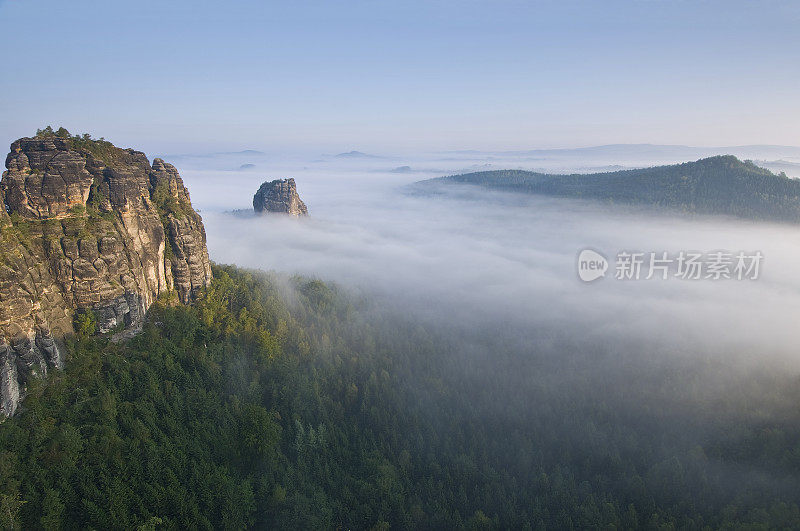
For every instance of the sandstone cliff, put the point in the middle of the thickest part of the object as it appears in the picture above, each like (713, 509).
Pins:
(279, 196)
(86, 229)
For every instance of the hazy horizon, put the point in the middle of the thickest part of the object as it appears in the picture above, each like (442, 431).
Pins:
(314, 76)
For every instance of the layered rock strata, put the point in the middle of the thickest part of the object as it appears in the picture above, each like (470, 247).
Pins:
(279, 196)
(87, 228)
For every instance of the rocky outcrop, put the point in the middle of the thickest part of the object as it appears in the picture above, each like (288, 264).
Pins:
(9, 380)
(87, 228)
(279, 196)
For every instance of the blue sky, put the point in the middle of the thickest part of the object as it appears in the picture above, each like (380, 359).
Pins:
(382, 76)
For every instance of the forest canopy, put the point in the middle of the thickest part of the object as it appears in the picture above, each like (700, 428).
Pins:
(716, 185)
(283, 403)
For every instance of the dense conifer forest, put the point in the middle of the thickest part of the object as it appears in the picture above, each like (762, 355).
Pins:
(281, 403)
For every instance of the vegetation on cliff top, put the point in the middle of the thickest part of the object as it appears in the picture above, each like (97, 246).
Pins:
(166, 204)
(100, 148)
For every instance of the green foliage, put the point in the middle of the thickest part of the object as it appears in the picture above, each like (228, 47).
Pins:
(98, 196)
(85, 323)
(168, 207)
(100, 148)
(20, 231)
(9, 511)
(281, 403)
(716, 185)
(47, 132)
(166, 203)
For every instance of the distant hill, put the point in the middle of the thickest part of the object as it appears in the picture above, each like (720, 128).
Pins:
(643, 152)
(356, 155)
(792, 169)
(715, 185)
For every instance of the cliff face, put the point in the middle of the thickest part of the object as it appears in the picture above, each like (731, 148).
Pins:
(86, 228)
(279, 196)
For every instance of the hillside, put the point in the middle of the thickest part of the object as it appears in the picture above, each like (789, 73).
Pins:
(716, 185)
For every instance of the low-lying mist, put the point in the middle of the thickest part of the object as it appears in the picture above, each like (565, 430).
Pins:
(495, 274)
(473, 255)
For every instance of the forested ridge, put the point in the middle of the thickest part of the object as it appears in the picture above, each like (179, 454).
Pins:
(290, 404)
(716, 185)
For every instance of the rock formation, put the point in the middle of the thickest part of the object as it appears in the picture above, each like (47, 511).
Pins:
(279, 196)
(86, 228)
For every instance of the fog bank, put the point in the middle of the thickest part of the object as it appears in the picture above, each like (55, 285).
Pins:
(497, 272)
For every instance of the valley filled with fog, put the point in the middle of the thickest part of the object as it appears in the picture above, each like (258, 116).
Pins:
(652, 372)
(471, 256)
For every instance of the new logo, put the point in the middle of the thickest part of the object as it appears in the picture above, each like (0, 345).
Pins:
(591, 265)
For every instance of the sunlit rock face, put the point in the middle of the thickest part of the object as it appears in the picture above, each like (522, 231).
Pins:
(87, 227)
(279, 196)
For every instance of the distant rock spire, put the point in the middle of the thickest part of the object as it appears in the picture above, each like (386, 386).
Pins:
(279, 196)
